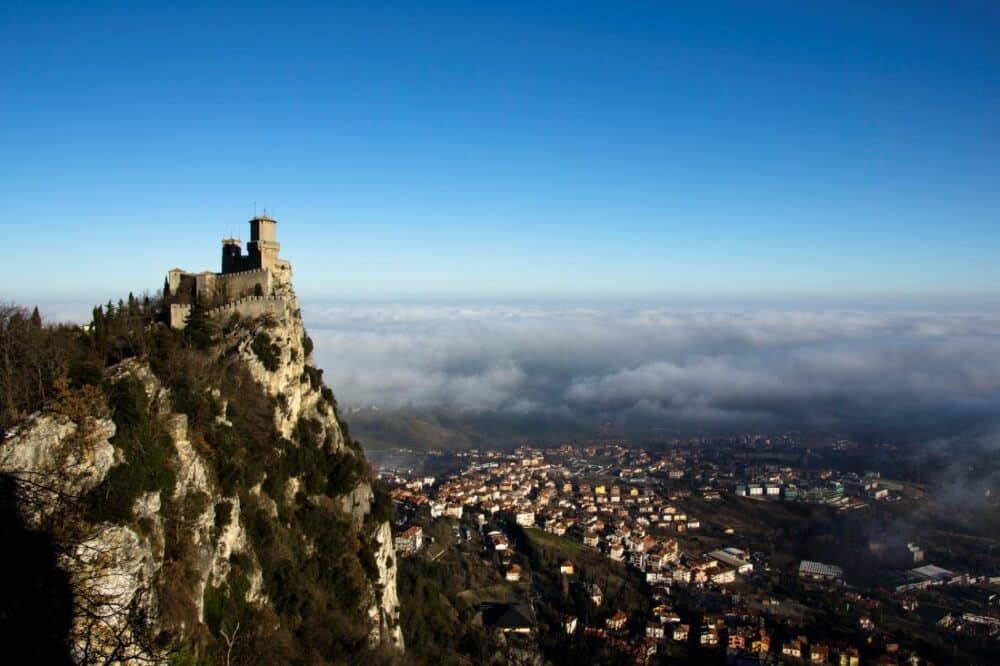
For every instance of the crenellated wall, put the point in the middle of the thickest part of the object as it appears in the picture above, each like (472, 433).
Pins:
(238, 285)
(178, 315)
(249, 307)
(251, 292)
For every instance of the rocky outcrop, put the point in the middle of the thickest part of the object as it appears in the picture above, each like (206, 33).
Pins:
(384, 614)
(118, 567)
(296, 385)
(288, 375)
(112, 572)
(110, 568)
(59, 457)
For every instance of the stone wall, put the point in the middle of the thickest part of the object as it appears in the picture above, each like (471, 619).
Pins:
(178, 315)
(250, 307)
(238, 285)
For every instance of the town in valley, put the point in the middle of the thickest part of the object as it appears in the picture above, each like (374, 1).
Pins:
(746, 549)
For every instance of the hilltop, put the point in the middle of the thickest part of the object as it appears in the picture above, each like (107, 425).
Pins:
(185, 491)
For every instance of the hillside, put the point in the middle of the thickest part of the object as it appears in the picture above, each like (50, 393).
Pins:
(429, 430)
(186, 496)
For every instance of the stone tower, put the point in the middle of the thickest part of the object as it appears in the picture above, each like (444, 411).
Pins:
(233, 260)
(248, 284)
(263, 246)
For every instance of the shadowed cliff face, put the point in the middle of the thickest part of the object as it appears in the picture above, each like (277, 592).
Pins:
(36, 606)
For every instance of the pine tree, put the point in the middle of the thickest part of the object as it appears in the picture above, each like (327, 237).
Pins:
(98, 329)
(199, 331)
(36, 318)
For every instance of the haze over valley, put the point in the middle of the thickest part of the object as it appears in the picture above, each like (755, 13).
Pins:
(651, 372)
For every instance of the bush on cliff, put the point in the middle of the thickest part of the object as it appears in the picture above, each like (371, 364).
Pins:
(265, 350)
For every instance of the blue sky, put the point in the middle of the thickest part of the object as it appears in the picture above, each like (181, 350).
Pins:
(566, 150)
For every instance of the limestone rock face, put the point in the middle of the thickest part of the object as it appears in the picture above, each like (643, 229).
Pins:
(299, 395)
(117, 571)
(55, 452)
(112, 573)
(384, 613)
(287, 380)
(357, 502)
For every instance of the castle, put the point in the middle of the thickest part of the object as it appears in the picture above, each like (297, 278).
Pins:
(250, 284)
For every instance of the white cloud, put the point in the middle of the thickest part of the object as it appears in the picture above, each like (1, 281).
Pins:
(679, 367)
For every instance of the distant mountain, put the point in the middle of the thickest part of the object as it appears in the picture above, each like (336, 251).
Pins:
(379, 429)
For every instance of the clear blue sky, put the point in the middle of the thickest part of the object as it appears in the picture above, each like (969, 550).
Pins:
(467, 150)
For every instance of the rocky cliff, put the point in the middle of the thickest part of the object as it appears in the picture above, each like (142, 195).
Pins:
(207, 504)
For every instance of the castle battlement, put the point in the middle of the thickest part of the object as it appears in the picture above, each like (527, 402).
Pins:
(245, 282)
(242, 304)
(247, 299)
(246, 272)
(249, 307)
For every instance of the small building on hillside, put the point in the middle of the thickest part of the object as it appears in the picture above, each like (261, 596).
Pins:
(655, 630)
(795, 648)
(818, 571)
(617, 621)
(525, 518)
(819, 653)
(516, 618)
(410, 541)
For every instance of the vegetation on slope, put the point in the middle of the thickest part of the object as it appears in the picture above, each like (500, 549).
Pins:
(317, 569)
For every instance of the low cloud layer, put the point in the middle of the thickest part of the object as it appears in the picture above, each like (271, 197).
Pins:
(644, 370)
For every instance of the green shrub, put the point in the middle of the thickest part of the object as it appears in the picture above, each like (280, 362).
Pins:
(265, 350)
(190, 394)
(195, 505)
(146, 453)
(145, 469)
(86, 371)
(382, 506)
(199, 329)
(183, 656)
(366, 555)
(314, 375)
(307, 431)
(344, 471)
(129, 403)
(223, 515)
(226, 606)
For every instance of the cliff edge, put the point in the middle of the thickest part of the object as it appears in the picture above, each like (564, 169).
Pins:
(201, 499)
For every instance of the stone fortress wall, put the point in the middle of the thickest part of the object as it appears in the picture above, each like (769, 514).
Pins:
(249, 292)
(244, 283)
(249, 307)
